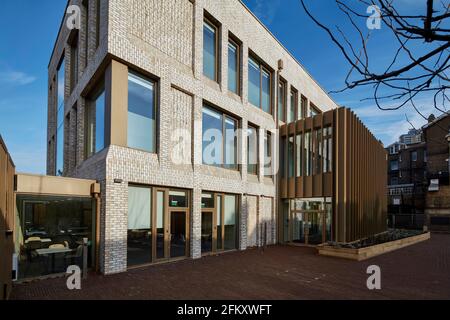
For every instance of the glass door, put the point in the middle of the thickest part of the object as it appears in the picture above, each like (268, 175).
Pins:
(315, 228)
(139, 239)
(178, 234)
(207, 231)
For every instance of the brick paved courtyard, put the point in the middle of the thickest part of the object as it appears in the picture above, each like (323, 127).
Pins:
(282, 272)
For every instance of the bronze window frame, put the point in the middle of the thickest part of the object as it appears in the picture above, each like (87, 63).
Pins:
(214, 211)
(236, 44)
(216, 28)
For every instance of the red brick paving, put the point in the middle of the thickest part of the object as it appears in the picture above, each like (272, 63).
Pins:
(421, 271)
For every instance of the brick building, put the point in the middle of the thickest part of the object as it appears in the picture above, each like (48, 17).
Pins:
(437, 210)
(136, 97)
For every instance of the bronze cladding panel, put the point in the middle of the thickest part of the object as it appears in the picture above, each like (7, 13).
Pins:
(357, 183)
(7, 205)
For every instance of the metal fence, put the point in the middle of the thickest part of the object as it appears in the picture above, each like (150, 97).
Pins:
(406, 221)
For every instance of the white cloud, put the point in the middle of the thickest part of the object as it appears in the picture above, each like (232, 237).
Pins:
(389, 125)
(16, 78)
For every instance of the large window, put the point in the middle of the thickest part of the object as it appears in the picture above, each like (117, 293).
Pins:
(219, 139)
(259, 85)
(317, 151)
(281, 100)
(233, 67)
(252, 150)
(299, 156)
(303, 108)
(308, 153)
(210, 50)
(313, 110)
(50, 232)
(292, 106)
(60, 120)
(141, 113)
(268, 154)
(291, 157)
(95, 123)
(327, 149)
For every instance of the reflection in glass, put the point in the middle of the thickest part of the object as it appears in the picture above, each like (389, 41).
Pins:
(177, 234)
(207, 201)
(291, 165)
(265, 94)
(230, 217)
(252, 150)
(233, 68)
(219, 223)
(299, 157)
(96, 125)
(50, 232)
(230, 144)
(141, 113)
(281, 99)
(178, 199)
(212, 137)
(139, 226)
(160, 224)
(209, 51)
(207, 231)
(254, 83)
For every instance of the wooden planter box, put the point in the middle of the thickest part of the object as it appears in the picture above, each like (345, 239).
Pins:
(369, 252)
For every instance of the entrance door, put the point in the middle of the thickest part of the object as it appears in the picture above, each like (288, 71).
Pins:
(315, 228)
(178, 234)
(207, 231)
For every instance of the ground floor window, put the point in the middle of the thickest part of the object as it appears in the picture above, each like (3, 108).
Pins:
(158, 224)
(50, 232)
(307, 221)
(219, 222)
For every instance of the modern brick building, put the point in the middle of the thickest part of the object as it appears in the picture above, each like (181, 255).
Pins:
(175, 108)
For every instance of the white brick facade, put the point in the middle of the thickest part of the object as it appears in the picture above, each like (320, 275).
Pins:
(164, 39)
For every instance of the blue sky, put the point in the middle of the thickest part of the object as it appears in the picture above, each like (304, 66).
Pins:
(28, 30)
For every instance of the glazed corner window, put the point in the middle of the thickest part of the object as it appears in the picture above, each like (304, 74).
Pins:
(252, 150)
(219, 139)
(281, 100)
(141, 113)
(233, 67)
(292, 106)
(303, 108)
(95, 123)
(268, 154)
(60, 119)
(259, 85)
(210, 50)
